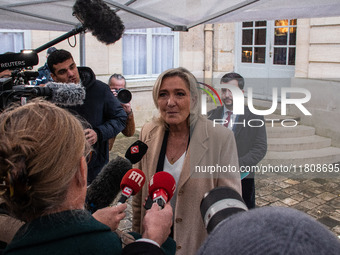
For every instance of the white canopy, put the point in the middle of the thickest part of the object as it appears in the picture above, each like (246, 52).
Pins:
(177, 14)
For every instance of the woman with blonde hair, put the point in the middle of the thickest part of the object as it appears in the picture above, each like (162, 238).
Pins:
(180, 140)
(43, 173)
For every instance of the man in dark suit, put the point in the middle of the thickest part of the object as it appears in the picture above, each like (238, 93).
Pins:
(251, 137)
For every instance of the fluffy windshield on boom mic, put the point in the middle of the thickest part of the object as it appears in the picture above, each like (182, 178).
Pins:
(59, 93)
(218, 204)
(162, 187)
(103, 22)
(66, 94)
(131, 184)
(136, 151)
(106, 186)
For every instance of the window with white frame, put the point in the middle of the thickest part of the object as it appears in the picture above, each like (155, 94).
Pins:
(14, 40)
(148, 52)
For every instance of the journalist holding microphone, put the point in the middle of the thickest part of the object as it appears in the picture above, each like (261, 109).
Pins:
(43, 180)
(179, 140)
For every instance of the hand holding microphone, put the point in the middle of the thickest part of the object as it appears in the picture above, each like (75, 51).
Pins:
(162, 187)
(157, 223)
(131, 184)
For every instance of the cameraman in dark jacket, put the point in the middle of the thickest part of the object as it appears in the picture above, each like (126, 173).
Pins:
(100, 109)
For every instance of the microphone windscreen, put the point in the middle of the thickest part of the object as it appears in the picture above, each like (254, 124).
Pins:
(136, 151)
(133, 179)
(106, 186)
(67, 94)
(18, 60)
(103, 22)
(162, 180)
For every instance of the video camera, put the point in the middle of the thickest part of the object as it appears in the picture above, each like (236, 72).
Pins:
(21, 64)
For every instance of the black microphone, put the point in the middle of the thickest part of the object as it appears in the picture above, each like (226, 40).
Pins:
(62, 94)
(106, 186)
(18, 60)
(136, 151)
(97, 16)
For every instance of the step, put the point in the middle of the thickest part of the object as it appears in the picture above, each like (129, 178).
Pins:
(298, 143)
(285, 132)
(316, 156)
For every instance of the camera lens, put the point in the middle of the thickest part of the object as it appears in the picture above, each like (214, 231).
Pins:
(124, 96)
(218, 204)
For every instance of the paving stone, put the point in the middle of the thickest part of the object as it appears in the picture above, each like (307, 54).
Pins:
(292, 182)
(283, 184)
(261, 202)
(289, 201)
(291, 191)
(280, 194)
(336, 230)
(316, 200)
(308, 205)
(279, 203)
(270, 198)
(316, 213)
(327, 196)
(298, 197)
(328, 221)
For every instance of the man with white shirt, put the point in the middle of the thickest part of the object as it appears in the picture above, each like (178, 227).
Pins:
(251, 140)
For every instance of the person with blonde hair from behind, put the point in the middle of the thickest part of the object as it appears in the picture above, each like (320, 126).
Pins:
(43, 173)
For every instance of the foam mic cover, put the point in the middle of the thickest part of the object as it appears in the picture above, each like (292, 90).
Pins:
(218, 204)
(106, 186)
(136, 151)
(69, 94)
(18, 60)
(103, 22)
(59, 93)
(162, 187)
(131, 183)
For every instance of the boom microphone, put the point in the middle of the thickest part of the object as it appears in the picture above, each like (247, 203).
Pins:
(18, 60)
(67, 94)
(131, 184)
(106, 186)
(162, 187)
(96, 16)
(136, 151)
(59, 93)
(218, 204)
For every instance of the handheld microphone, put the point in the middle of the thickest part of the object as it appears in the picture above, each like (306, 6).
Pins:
(162, 187)
(136, 151)
(131, 184)
(106, 186)
(18, 60)
(59, 93)
(218, 204)
(96, 16)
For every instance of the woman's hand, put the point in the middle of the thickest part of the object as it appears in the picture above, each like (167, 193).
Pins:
(111, 216)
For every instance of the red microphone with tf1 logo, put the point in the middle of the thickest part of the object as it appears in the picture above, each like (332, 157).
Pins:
(131, 184)
(162, 187)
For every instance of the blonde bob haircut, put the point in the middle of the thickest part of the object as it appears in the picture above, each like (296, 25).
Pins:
(41, 146)
(191, 83)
